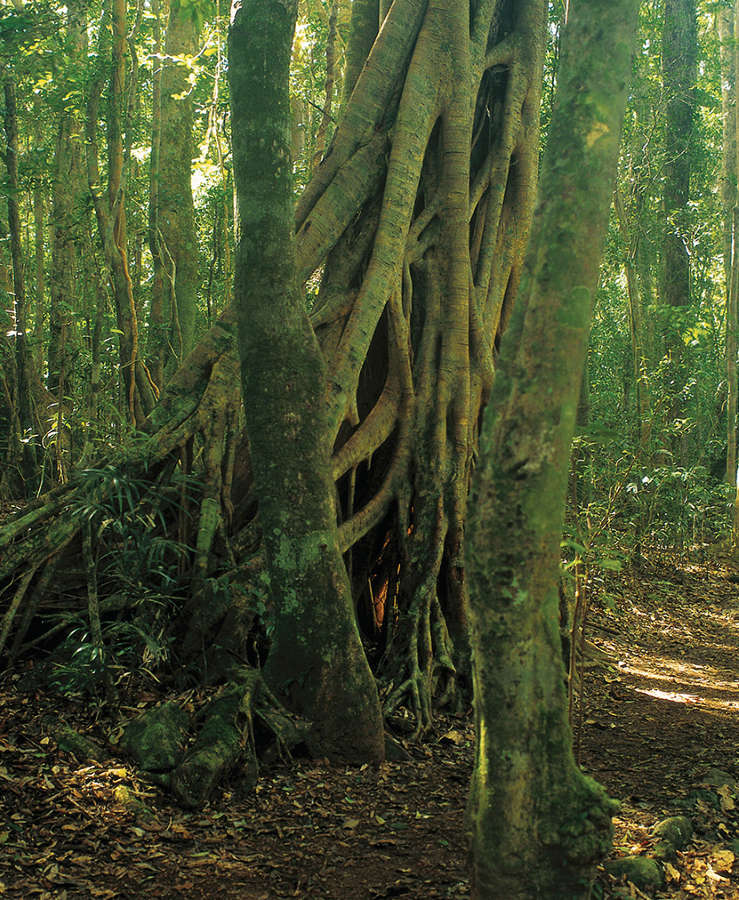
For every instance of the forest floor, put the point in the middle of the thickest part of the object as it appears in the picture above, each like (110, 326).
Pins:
(660, 728)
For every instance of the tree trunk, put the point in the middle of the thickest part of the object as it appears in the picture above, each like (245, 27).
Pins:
(173, 242)
(27, 418)
(679, 60)
(728, 208)
(139, 390)
(732, 311)
(538, 825)
(69, 201)
(316, 661)
(331, 40)
(636, 322)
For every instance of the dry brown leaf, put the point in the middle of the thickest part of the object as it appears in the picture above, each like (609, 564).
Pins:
(671, 872)
(722, 860)
(727, 801)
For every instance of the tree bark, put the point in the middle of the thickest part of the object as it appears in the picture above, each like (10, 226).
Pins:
(173, 241)
(25, 374)
(331, 41)
(636, 322)
(679, 61)
(733, 311)
(316, 661)
(69, 200)
(538, 825)
(730, 227)
(139, 391)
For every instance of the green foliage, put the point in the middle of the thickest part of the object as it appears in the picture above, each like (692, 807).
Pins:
(676, 507)
(138, 570)
(632, 505)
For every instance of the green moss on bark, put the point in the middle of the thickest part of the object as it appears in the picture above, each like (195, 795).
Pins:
(538, 825)
(317, 662)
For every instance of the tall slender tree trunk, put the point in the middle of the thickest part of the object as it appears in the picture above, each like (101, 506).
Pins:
(636, 322)
(39, 249)
(27, 418)
(331, 40)
(316, 661)
(69, 201)
(109, 203)
(729, 210)
(679, 69)
(538, 824)
(157, 351)
(733, 307)
(173, 241)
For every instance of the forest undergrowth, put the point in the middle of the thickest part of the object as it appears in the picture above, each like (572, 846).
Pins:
(659, 727)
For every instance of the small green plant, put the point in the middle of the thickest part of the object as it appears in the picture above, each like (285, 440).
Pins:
(134, 580)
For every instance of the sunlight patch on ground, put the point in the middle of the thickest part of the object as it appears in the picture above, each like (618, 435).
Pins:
(677, 697)
(674, 696)
(679, 671)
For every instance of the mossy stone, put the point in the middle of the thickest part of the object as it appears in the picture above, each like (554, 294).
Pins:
(664, 851)
(70, 741)
(718, 778)
(702, 795)
(218, 747)
(641, 871)
(128, 800)
(677, 830)
(155, 739)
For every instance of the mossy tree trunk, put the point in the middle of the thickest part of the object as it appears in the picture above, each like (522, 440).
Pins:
(732, 315)
(415, 291)
(538, 825)
(679, 73)
(316, 661)
(639, 342)
(69, 214)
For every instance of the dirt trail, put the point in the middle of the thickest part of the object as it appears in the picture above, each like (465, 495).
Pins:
(662, 714)
(661, 711)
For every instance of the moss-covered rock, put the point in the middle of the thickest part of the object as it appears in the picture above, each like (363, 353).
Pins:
(676, 830)
(225, 739)
(126, 798)
(701, 796)
(70, 741)
(664, 851)
(718, 778)
(641, 871)
(155, 739)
